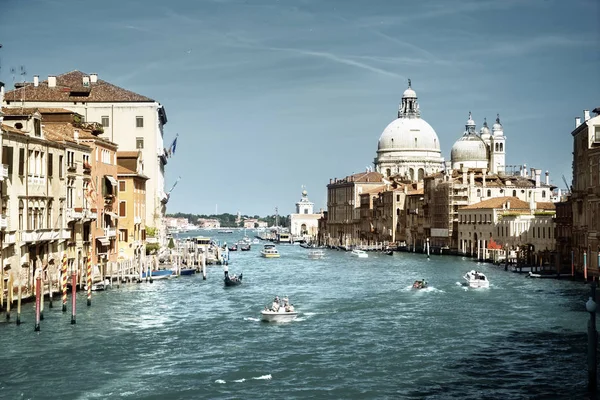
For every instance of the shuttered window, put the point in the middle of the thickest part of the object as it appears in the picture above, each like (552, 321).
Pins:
(21, 162)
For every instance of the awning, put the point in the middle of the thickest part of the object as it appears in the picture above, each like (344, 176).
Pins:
(112, 180)
(112, 214)
(104, 241)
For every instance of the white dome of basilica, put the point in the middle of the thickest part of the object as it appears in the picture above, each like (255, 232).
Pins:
(409, 146)
(409, 134)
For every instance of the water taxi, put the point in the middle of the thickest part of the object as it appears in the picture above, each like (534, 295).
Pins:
(280, 311)
(269, 251)
(359, 253)
(476, 279)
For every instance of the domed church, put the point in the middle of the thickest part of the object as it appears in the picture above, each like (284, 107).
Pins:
(484, 151)
(409, 146)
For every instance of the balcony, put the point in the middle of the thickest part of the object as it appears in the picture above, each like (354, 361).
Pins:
(74, 213)
(137, 220)
(3, 222)
(41, 235)
(3, 172)
(91, 214)
(87, 168)
(110, 232)
(72, 167)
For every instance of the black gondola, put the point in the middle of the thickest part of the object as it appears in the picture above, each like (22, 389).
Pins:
(389, 252)
(233, 280)
(245, 247)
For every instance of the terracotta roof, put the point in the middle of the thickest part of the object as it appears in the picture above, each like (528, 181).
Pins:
(19, 111)
(499, 202)
(64, 131)
(371, 176)
(10, 129)
(416, 191)
(127, 154)
(121, 170)
(69, 87)
(545, 205)
(374, 190)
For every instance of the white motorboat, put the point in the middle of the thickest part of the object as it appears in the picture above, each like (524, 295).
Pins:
(98, 286)
(359, 253)
(316, 254)
(476, 279)
(270, 251)
(280, 311)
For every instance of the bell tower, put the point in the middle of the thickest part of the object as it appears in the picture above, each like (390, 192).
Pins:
(498, 148)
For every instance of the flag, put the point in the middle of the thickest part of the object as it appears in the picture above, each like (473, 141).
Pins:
(172, 147)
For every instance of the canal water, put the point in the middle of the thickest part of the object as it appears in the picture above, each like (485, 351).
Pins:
(363, 332)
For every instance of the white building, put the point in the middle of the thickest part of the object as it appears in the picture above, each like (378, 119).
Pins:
(304, 223)
(133, 121)
(409, 146)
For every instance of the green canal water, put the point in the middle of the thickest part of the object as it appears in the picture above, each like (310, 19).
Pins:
(363, 333)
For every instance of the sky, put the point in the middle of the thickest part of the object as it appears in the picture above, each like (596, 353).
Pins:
(268, 96)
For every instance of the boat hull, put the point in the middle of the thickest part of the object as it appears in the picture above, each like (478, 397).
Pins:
(160, 274)
(270, 255)
(187, 271)
(271, 316)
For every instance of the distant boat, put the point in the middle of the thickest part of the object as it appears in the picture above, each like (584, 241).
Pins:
(476, 279)
(270, 251)
(359, 253)
(233, 280)
(316, 254)
(159, 274)
(187, 271)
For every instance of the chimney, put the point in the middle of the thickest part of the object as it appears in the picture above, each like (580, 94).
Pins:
(547, 178)
(36, 80)
(1, 101)
(532, 174)
(472, 178)
(537, 173)
(94, 78)
(586, 115)
(577, 122)
(484, 170)
(86, 81)
(464, 176)
(532, 202)
(508, 205)
(76, 135)
(51, 81)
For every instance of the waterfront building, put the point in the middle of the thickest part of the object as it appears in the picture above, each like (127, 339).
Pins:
(509, 223)
(343, 206)
(447, 192)
(250, 223)
(411, 227)
(305, 222)
(132, 203)
(368, 232)
(585, 198)
(132, 121)
(409, 146)
(208, 223)
(43, 196)
(564, 232)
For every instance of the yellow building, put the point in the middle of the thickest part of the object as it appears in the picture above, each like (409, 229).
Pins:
(132, 200)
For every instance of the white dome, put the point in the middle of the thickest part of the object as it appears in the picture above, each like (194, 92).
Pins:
(409, 93)
(469, 148)
(408, 134)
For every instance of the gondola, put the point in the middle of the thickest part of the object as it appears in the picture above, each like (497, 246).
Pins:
(233, 280)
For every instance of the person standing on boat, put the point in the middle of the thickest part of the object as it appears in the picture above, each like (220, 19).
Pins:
(226, 268)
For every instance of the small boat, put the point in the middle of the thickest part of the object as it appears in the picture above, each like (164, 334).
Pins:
(316, 254)
(233, 247)
(476, 279)
(420, 284)
(159, 274)
(233, 280)
(359, 253)
(389, 252)
(280, 311)
(245, 247)
(270, 251)
(187, 271)
(98, 286)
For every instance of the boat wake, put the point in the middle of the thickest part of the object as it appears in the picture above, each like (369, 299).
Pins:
(262, 377)
(252, 319)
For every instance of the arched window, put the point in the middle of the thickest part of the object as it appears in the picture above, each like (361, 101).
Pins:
(411, 173)
(489, 193)
(421, 173)
(388, 172)
(478, 192)
(415, 142)
(397, 211)
(514, 193)
(543, 194)
(49, 224)
(501, 146)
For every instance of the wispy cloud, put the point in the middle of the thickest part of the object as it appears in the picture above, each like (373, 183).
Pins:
(519, 46)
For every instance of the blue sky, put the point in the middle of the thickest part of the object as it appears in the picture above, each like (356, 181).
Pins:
(270, 95)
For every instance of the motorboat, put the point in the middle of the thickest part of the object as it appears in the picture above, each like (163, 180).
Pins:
(269, 251)
(359, 253)
(245, 247)
(233, 280)
(159, 274)
(420, 284)
(187, 271)
(98, 286)
(476, 279)
(233, 247)
(316, 254)
(280, 311)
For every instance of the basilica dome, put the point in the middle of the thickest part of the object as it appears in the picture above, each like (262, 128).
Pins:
(408, 134)
(409, 146)
(469, 148)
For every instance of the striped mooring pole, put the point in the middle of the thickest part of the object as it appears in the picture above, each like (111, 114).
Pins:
(73, 296)
(64, 282)
(89, 281)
